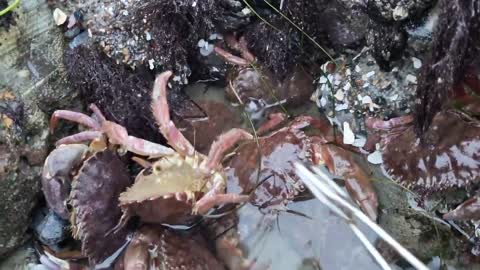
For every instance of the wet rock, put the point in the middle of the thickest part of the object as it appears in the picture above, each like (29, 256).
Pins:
(388, 43)
(32, 83)
(50, 228)
(422, 235)
(24, 258)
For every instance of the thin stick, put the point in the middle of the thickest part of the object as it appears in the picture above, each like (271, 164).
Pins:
(307, 176)
(373, 251)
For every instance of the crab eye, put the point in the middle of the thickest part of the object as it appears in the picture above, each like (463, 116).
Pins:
(157, 168)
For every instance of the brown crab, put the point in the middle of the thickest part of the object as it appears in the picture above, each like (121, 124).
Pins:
(264, 168)
(272, 178)
(155, 247)
(446, 156)
(257, 87)
(90, 181)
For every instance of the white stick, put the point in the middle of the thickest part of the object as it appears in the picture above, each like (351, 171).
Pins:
(373, 251)
(304, 173)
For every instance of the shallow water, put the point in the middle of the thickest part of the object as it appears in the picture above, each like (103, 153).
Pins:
(285, 240)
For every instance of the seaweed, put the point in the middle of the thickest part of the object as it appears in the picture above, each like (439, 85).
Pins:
(121, 93)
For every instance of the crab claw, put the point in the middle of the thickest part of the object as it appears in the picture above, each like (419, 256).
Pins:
(470, 209)
(340, 162)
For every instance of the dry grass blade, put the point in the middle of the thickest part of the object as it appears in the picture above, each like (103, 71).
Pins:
(318, 182)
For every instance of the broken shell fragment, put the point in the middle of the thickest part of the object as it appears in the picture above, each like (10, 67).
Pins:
(59, 16)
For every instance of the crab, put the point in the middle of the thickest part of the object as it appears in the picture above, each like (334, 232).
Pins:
(447, 157)
(264, 168)
(155, 247)
(177, 187)
(257, 87)
(90, 181)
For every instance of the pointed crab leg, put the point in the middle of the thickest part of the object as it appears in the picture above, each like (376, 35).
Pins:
(240, 45)
(224, 143)
(340, 162)
(97, 113)
(160, 111)
(80, 137)
(470, 209)
(274, 120)
(208, 202)
(77, 117)
(230, 58)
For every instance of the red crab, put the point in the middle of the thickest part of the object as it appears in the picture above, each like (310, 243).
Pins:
(265, 169)
(446, 156)
(266, 166)
(257, 87)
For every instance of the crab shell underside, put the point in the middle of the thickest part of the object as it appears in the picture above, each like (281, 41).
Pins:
(167, 192)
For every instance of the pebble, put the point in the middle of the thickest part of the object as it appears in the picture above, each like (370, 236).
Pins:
(148, 36)
(59, 16)
(50, 229)
(150, 64)
(201, 43)
(339, 95)
(348, 136)
(368, 75)
(360, 142)
(357, 68)
(366, 100)
(375, 157)
(399, 13)
(207, 50)
(411, 78)
(417, 63)
(347, 86)
(341, 107)
(323, 101)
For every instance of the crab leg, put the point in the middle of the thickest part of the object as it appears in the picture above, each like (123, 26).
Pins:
(80, 137)
(378, 124)
(146, 148)
(97, 113)
(209, 201)
(339, 162)
(274, 120)
(160, 111)
(230, 58)
(240, 46)
(77, 117)
(136, 255)
(223, 143)
(470, 209)
(328, 134)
